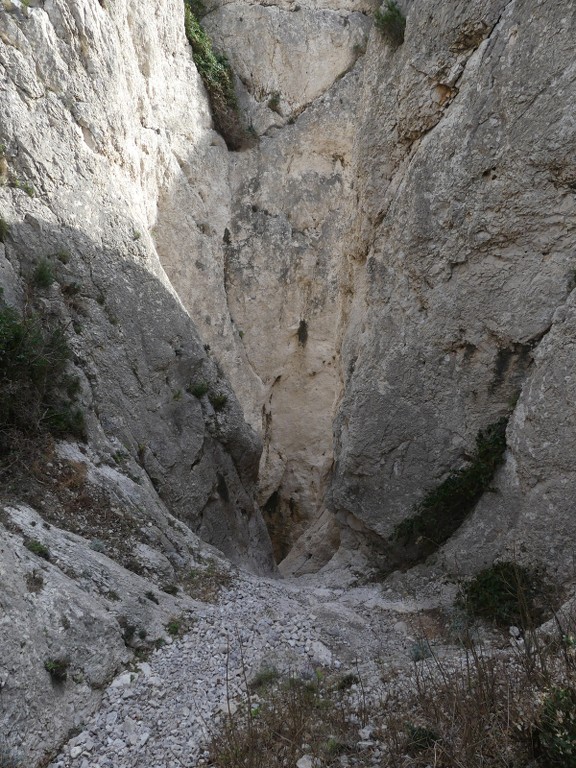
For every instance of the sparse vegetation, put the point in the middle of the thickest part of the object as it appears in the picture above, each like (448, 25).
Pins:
(4, 229)
(445, 507)
(37, 548)
(43, 275)
(217, 77)
(557, 728)
(507, 594)
(34, 384)
(58, 669)
(264, 677)
(34, 582)
(274, 102)
(199, 389)
(218, 401)
(268, 732)
(173, 627)
(152, 597)
(391, 23)
(420, 650)
(206, 583)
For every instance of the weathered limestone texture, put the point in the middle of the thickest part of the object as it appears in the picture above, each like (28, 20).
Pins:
(100, 108)
(285, 269)
(465, 240)
(102, 116)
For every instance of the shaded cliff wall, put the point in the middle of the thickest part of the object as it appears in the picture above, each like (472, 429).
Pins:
(463, 289)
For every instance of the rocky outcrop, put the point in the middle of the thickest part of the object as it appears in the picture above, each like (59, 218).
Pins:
(285, 268)
(464, 241)
(92, 150)
(102, 117)
(386, 271)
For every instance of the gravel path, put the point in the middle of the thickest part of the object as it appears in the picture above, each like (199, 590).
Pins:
(161, 715)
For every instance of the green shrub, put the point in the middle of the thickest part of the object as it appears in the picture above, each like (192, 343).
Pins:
(264, 677)
(198, 8)
(445, 507)
(173, 627)
(58, 669)
(199, 389)
(34, 384)
(218, 80)
(420, 738)
(507, 594)
(391, 23)
(4, 229)
(218, 401)
(274, 102)
(557, 728)
(43, 275)
(37, 548)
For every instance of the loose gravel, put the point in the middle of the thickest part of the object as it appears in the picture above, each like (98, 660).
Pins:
(162, 714)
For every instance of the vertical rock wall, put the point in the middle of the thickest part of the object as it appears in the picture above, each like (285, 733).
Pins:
(463, 286)
(103, 116)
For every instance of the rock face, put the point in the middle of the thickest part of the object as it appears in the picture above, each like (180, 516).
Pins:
(463, 290)
(285, 266)
(388, 271)
(95, 129)
(103, 121)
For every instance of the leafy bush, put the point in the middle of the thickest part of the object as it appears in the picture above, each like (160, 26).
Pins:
(445, 507)
(43, 276)
(507, 594)
(391, 23)
(34, 386)
(557, 728)
(218, 80)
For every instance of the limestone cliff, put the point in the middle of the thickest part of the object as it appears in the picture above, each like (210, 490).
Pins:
(104, 124)
(463, 288)
(382, 273)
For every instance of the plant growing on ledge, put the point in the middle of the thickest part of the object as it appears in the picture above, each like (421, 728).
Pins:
(444, 508)
(218, 79)
(57, 668)
(36, 393)
(391, 23)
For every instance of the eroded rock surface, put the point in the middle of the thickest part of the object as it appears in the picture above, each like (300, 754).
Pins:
(465, 237)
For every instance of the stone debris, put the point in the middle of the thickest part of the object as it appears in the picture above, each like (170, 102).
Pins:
(165, 711)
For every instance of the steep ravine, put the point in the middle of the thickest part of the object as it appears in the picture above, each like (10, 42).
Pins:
(349, 301)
